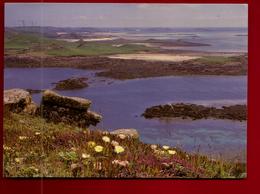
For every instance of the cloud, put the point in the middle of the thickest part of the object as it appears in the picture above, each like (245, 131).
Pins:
(129, 15)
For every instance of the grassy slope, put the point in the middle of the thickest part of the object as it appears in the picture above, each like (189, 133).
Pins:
(34, 148)
(34, 44)
(218, 60)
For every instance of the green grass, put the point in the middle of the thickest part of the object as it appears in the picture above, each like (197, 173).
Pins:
(91, 48)
(34, 148)
(217, 60)
(34, 44)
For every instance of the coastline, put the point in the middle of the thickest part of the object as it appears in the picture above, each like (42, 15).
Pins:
(131, 68)
(119, 60)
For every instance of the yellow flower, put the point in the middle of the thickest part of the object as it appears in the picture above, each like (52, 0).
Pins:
(34, 169)
(161, 152)
(18, 160)
(172, 152)
(6, 148)
(106, 139)
(165, 147)
(114, 143)
(84, 156)
(91, 144)
(98, 148)
(122, 136)
(119, 149)
(37, 133)
(23, 137)
(153, 146)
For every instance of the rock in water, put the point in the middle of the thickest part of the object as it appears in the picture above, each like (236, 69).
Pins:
(132, 133)
(69, 110)
(19, 100)
(71, 84)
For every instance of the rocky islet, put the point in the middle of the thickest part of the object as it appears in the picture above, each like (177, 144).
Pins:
(194, 111)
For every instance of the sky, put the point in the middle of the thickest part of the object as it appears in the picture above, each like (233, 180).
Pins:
(126, 15)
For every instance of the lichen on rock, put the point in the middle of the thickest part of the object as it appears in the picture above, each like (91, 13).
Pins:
(54, 107)
(52, 98)
(19, 100)
(69, 110)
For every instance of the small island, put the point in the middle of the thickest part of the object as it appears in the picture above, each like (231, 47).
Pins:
(193, 111)
(71, 84)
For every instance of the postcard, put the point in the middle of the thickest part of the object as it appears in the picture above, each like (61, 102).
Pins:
(120, 90)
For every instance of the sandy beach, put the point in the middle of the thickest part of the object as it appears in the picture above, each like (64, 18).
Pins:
(155, 57)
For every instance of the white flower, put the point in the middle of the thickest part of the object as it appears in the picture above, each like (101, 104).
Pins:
(122, 136)
(84, 156)
(73, 149)
(153, 146)
(23, 137)
(165, 147)
(98, 165)
(106, 139)
(114, 143)
(37, 133)
(165, 164)
(120, 162)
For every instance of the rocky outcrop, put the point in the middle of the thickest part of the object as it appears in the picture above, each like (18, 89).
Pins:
(235, 112)
(34, 91)
(69, 110)
(19, 100)
(52, 98)
(132, 133)
(71, 84)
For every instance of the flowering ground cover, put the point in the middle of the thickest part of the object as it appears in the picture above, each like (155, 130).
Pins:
(34, 148)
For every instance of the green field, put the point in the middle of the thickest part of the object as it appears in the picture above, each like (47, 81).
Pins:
(33, 44)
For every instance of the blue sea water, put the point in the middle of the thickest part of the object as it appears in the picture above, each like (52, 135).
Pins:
(122, 102)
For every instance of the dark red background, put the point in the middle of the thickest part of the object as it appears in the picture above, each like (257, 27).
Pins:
(107, 186)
